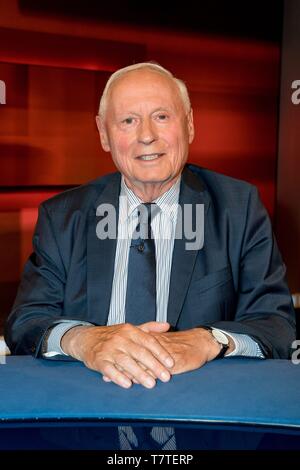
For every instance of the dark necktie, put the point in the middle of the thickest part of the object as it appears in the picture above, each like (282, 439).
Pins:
(140, 306)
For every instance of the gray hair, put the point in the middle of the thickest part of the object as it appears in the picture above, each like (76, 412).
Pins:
(143, 65)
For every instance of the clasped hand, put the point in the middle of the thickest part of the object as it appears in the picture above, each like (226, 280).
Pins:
(127, 354)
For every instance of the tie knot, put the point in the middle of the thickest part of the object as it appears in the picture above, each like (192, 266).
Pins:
(146, 214)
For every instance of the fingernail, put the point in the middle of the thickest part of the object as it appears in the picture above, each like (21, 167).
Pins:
(165, 377)
(150, 382)
(127, 383)
(169, 362)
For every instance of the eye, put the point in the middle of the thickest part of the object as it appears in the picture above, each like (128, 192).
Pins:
(162, 117)
(128, 121)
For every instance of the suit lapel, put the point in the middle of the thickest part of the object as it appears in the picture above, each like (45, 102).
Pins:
(101, 256)
(191, 192)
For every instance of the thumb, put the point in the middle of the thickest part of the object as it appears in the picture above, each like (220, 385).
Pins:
(155, 327)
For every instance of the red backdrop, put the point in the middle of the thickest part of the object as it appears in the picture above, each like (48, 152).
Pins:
(55, 69)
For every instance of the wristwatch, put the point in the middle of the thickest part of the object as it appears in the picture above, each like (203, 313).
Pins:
(220, 338)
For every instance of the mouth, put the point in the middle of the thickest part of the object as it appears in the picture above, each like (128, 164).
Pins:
(149, 157)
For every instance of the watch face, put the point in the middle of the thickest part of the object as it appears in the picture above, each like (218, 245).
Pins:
(220, 337)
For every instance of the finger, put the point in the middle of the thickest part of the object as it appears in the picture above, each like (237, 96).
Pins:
(111, 372)
(131, 366)
(149, 363)
(127, 374)
(135, 335)
(155, 327)
(130, 377)
(153, 345)
(147, 370)
(106, 379)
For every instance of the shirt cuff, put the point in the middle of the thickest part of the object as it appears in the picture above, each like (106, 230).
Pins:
(53, 347)
(244, 346)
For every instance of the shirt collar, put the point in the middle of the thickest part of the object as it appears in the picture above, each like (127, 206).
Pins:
(167, 202)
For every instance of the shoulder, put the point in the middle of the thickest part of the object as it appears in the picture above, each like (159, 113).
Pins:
(222, 189)
(80, 198)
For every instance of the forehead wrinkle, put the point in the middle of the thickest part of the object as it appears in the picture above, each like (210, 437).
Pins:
(162, 84)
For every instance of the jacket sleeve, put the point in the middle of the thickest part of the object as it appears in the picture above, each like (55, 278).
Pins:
(39, 301)
(264, 307)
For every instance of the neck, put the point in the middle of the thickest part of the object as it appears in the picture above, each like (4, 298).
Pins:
(148, 192)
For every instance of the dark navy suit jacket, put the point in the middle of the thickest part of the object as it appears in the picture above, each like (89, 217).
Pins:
(235, 282)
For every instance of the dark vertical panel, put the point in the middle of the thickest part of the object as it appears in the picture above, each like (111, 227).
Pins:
(10, 238)
(288, 184)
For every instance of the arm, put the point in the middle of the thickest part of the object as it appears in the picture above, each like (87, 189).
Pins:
(39, 301)
(38, 308)
(264, 312)
(264, 309)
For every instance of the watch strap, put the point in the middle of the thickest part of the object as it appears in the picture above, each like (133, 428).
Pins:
(224, 347)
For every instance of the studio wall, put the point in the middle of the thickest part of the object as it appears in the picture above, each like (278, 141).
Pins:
(288, 188)
(55, 66)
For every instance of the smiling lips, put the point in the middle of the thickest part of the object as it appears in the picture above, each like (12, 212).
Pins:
(150, 156)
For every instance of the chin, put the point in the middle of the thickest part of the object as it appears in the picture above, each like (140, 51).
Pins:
(153, 179)
(154, 176)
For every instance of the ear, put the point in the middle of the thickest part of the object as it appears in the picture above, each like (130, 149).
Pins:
(190, 123)
(103, 134)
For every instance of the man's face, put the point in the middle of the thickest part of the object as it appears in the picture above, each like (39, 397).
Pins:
(146, 129)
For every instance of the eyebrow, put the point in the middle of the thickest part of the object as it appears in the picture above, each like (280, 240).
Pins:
(161, 109)
(134, 113)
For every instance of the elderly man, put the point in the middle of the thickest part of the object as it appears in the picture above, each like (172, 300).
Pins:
(145, 307)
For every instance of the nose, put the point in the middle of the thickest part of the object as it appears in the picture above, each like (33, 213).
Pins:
(147, 133)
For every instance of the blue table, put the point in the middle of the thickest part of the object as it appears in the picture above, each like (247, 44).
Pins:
(241, 396)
